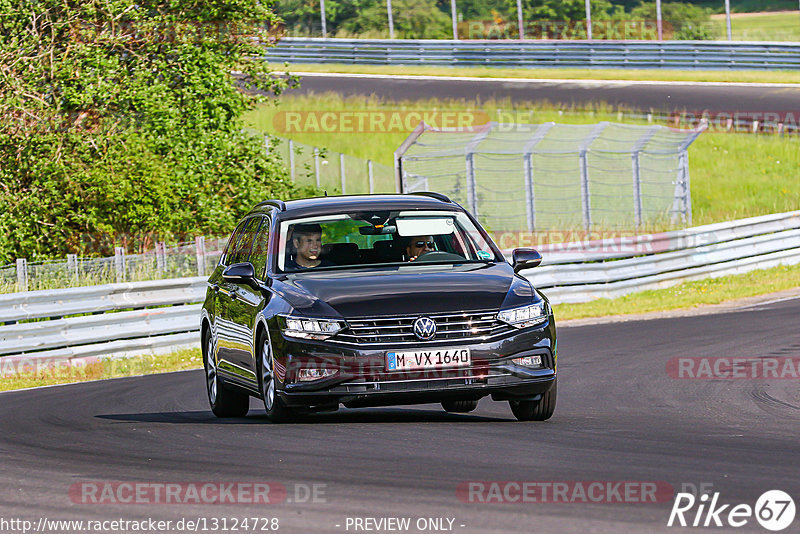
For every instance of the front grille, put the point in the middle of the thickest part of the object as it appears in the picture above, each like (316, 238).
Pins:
(398, 330)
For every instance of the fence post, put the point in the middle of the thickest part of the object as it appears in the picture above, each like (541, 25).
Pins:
(342, 174)
(200, 251)
(371, 177)
(316, 165)
(291, 159)
(584, 168)
(72, 266)
(22, 274)
(527, 151)
(391, 18)
(637, 181)
(119, 263)
(161, 256)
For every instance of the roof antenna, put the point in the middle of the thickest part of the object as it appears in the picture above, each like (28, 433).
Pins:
(326, 193)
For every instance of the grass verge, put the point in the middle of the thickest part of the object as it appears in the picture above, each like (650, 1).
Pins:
(687, 295)
(663, 75)
(27, 377)
(784, 26)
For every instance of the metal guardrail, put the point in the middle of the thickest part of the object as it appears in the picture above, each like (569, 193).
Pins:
(134, 318)
(663, 260)
(541, 53)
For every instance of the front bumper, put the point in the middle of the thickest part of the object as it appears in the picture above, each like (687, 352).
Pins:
(361, 378)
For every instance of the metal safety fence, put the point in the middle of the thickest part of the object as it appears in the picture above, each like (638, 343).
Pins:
(555, 176)
(331, 171)
(540, 53)
(197, 258)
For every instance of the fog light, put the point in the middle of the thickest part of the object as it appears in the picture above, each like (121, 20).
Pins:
(529, 361)
(307, 375)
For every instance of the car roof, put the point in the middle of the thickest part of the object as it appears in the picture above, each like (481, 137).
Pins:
(348, 203)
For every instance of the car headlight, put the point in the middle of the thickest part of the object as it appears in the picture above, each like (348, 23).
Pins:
(304, 328)
(525, 316)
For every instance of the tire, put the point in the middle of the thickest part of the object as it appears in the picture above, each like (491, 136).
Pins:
(276, 410)
(461, 406)
(224, 402)
(540, 410)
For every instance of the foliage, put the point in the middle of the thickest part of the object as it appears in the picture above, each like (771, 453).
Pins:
(430, 19)
(688, 22)
(122, 122)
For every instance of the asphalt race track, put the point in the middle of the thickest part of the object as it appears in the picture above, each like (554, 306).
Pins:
(620, 417)
(660, 96)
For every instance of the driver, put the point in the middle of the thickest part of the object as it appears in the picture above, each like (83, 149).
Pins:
(419, 245)
(307, 241)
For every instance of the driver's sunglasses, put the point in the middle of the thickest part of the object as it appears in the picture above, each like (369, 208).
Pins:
(429, 244)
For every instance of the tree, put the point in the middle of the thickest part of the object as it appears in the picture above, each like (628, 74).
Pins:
(685, 21)
(122, 122)
(413, 19)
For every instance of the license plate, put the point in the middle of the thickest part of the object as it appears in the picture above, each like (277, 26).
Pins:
(427, 359)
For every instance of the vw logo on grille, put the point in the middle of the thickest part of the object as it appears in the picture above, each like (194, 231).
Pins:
(424, 328)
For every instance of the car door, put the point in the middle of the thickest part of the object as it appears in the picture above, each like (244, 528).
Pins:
(234, 343)
(221, 292)
(247, 299)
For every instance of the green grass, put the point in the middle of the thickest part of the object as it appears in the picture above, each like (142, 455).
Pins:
(687, 295)
(108, 368)
(761, 26)
(739, 76)
(732, 175)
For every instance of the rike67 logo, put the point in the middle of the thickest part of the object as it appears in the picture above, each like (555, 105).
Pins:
(774, 510)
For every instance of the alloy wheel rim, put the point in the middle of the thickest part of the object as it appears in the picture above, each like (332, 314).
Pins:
(211, 372)
(267, 383)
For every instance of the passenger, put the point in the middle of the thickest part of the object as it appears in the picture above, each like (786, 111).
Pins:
(419, 245)
(307, 244)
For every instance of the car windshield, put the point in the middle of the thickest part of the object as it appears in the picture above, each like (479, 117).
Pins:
(366, 238)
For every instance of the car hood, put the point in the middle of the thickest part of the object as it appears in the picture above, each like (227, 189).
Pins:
(403, 290)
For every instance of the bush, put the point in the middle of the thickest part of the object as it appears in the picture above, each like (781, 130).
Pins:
(125, 124)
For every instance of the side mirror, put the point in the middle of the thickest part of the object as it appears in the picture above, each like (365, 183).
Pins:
(240, 273)
(525, 258)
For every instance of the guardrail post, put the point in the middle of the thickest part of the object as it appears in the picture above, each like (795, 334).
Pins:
(200, 251)
(22, 274)
(119, 263)
(291, 159)
(72, 266)
(371, 177)
(342, 174)
(316, 165)
(161, 256)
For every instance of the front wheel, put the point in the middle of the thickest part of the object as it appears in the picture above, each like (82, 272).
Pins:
(540, 410)
(224, 402)
(277, 411)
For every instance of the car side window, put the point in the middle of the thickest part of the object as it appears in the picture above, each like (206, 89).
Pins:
(245, 242)
(258, 255)
(230, 248)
